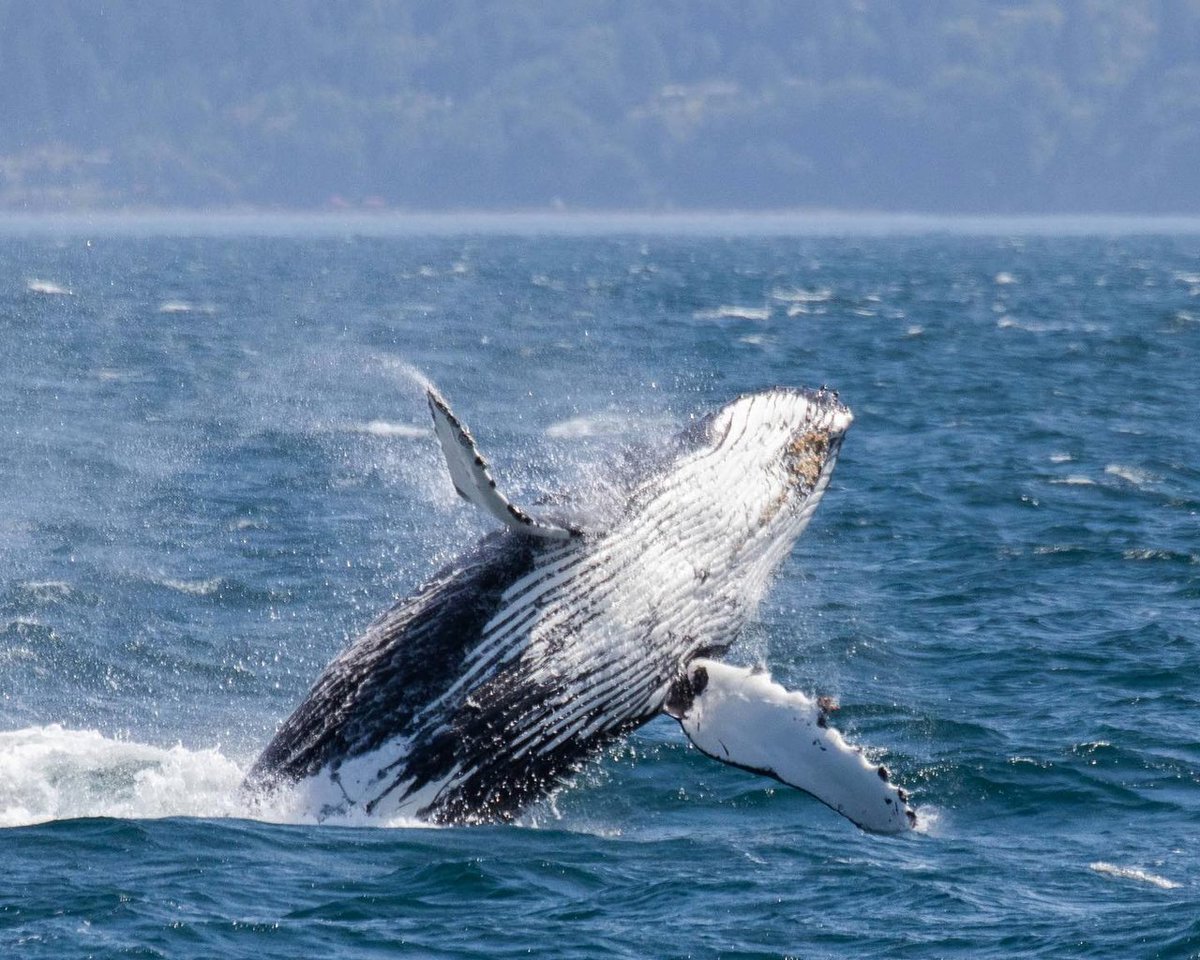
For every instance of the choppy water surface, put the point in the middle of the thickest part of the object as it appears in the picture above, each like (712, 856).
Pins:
(216, 466)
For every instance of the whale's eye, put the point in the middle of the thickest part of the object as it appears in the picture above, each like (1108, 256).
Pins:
(699, 681)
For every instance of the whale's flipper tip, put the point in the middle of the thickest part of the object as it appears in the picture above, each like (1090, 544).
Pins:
(472, 479)
(745, 719)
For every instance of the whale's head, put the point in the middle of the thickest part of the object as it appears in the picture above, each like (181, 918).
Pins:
(777, 449)
(754, 471)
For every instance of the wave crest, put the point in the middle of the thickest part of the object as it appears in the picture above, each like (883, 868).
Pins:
(54, 773)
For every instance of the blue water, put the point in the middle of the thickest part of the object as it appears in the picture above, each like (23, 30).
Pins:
(215, 467)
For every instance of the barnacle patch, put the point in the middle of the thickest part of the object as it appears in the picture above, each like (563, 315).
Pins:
(806, 455)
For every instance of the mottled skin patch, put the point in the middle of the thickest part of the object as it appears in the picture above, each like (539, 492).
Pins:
(804, 459)
(806, 456)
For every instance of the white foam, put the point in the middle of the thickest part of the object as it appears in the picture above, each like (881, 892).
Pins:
(47, 288)
(1139, 478)
(929, 820)
(52, 773)
(1148, 553)
(184, 306)
(1075, 480)
(55, 773)
(1133, 873)
(734, 312)
(47, 590)
(1003, 279)
(1061, 458)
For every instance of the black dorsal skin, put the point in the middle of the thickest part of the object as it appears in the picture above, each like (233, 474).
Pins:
(406, 659)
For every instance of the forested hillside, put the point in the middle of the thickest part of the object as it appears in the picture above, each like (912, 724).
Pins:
(945, 105)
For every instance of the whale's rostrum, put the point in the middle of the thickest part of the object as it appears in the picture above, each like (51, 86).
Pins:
(546, 641)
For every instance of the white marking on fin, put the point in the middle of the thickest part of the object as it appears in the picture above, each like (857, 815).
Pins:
(745, 719)
(469, 473)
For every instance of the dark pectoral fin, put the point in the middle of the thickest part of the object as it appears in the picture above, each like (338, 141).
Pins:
(744, 718)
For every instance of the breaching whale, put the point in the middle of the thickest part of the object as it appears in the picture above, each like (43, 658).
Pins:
(485, 689)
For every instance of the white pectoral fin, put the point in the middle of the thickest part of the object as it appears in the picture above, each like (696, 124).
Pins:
(469, 473)
(746, 719)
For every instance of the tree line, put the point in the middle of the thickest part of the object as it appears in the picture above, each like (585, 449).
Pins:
(1002, 106)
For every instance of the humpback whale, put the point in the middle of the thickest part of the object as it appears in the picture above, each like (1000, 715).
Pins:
(549, 639)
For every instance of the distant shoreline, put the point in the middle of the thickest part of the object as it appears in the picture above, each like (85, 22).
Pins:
(279, 223)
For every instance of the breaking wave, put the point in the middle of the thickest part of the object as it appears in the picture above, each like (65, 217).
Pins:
(56, 773)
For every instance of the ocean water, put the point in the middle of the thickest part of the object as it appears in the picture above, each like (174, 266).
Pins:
(216, 466)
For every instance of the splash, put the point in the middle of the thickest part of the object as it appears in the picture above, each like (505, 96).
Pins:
(55, 773)
(929, 821)
(403, 371)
